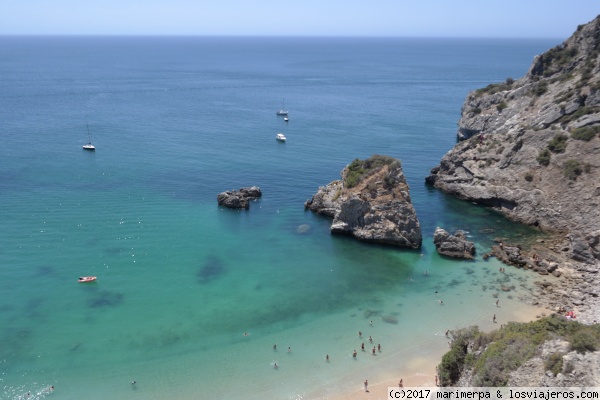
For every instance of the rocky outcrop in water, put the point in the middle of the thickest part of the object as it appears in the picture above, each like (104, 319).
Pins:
(239, 198)
(456, 246)
(530, 148)
(371, 203)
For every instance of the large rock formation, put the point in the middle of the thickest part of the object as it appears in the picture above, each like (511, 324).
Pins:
(531, 146)
(239, 198)
(531, 149)
(456, 246)
(371, 203)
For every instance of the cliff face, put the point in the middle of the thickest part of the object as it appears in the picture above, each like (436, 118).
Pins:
(553, 351)
(531, 148)
(371, 203)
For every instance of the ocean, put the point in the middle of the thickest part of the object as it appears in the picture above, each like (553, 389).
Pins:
(191, 299)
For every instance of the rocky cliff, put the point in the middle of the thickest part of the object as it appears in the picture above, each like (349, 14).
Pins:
(531, 148)
(552, 351)
(371, 203)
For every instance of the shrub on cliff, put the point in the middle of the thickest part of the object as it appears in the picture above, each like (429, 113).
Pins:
(544, 156)
(453, 361)
(495, 355)
(360, 169)
(586, 133)
(554, 363)
(586, 340)
(558, 144)
(572, 169)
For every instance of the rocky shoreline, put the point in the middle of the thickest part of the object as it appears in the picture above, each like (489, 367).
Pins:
(530, 148)
(569, 285)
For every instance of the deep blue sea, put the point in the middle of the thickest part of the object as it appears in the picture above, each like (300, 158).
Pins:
(177, 120)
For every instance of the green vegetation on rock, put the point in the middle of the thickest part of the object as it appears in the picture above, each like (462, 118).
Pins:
(572, 169)
(558, 144)
(554, 363)
(586, 133)
(558, 58)
(496, 87)
(544, 156)
(360, 169)
(493, 356)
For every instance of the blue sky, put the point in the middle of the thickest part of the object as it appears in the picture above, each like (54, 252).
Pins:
(413, 18)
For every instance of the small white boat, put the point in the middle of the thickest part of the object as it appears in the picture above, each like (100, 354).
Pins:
(286, 119)
(89, 146)
(84, 279)
(280, 137)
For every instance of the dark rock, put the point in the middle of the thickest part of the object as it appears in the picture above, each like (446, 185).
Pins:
(239, 198)
(455, 246)
(509, 255)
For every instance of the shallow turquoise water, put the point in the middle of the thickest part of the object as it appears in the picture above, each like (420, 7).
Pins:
(176, 121)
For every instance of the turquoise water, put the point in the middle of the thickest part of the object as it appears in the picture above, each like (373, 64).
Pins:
(176, 121)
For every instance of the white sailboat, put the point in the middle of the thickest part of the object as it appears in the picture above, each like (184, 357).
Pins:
(89, 146)
(283, 111)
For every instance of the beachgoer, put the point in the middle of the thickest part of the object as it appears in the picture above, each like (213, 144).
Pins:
(354, 354)
(436, 380)
(246, 334)
(275, 365)
(371, 322)
(359, 334)
(447, 332)
(497, 301)
(401, 384)
(494, 319)
(441, 302)
(379, 347)
(373, 352)
(366, 385)
(327, 358)
(274, 347)
(133, 382)
(370, 339)
(289, 349)
(362, 346)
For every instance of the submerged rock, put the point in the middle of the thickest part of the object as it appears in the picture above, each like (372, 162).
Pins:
(212, 268)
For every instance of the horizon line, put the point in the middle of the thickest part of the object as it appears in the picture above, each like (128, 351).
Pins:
(238, 36)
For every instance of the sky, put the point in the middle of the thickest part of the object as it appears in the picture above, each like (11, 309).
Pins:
(395, 18)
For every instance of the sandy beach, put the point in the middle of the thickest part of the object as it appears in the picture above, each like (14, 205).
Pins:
(414, 370)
